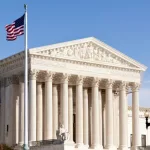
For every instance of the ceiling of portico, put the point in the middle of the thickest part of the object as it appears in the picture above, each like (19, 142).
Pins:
(88, 50)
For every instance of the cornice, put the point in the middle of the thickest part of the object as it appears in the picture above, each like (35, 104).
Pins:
(12, 63)
(117, 52)
(17, 60)
(89, 40)
(12, 58)
(86, 63)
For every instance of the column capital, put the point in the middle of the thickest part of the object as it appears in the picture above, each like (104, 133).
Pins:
(11, 80)
(135, 86)
(79, 80)
(21, 78)
(49, 75)
(122, 85)
(65, 78)
(2, 81)
(109, 83)
(95, 82)
(32, 74)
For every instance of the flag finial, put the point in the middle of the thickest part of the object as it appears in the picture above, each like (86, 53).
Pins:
(25, 6)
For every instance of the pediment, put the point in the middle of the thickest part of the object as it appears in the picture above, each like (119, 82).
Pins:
(89, 50)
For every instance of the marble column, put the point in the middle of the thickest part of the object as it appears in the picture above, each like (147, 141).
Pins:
(2, 90)
(85, 118)
(64, 100)
(17, 120)
(100, 118)
(21, 110)
(135, 116)
(39, 113)
(90, 116)
(109, 115)
(95, 114)
(55, 110)
(48, 109)
(123, 117)
(32, 106)
(70, 111)
(14, 96)
(79, 112)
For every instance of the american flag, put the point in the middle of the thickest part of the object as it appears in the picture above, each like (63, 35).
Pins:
(15, 29)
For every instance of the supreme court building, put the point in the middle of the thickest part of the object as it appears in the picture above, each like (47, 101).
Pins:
(83, 84)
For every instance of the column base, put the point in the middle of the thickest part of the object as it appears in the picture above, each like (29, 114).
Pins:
(32, 143)
(111, 147)
(69, 145)
(25, 147)
(21, 143)
(123, 148)
(81, 146)
(86, 146)
(97, 147)
(134, 148)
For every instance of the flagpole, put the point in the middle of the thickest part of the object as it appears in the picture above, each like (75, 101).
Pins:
(26, 146)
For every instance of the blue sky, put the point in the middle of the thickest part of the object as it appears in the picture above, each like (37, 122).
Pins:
(124, 25)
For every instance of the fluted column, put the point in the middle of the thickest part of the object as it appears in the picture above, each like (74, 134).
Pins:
(48, 130)
(21, 110)
(85, 118)
(70, 111)
(79, 111)
(100, 118)
(55, 110)
(95, 114)
(39, 114)
(109, 115)
(64, 100)
(17, 120)
(123, 120)
(32, 106)
(135, 116)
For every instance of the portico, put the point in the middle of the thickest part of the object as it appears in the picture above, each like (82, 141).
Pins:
(81, 82)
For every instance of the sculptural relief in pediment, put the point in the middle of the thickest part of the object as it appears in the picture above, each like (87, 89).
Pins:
(87, 51)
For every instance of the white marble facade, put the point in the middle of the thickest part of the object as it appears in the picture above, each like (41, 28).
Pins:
(76, 83)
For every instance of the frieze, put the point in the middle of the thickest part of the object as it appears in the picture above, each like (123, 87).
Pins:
(86, 51)
(111, 69)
